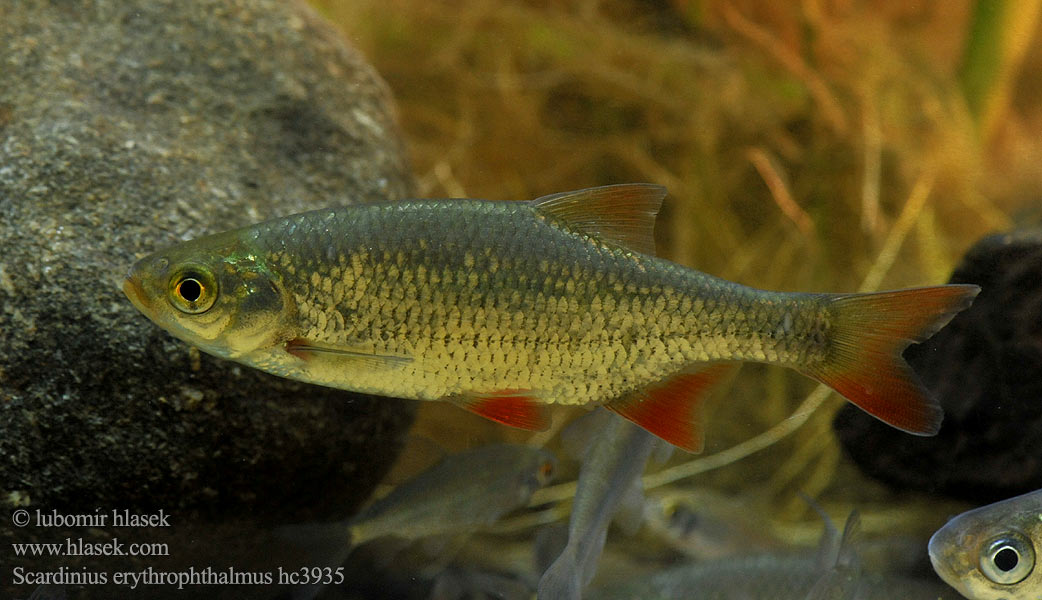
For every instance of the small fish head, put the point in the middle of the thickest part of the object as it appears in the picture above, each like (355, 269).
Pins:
(990, 554)
(213, 293)
(540, 467)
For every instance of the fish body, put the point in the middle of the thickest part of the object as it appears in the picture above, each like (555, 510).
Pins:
(833, 574)
(766, 577)
(616, 460)
(463, 492)
(506, 307)
(459, 494)
(992, 552)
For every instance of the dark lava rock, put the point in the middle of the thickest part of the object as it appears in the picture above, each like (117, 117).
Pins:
(986, 369)
(125, 127)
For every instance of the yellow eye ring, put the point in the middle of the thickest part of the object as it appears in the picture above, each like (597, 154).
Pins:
(193, 292)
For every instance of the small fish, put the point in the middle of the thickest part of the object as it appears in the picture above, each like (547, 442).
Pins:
(992, 552)
(706, 525)
(460, 494)
(504, 308)
(833, 574)
(616, 461)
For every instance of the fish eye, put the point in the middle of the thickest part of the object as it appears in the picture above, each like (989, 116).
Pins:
(193, 291)
(1008, 558)
(190, 290)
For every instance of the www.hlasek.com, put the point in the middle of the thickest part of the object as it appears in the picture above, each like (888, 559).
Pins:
(78, 547)
(181, 579)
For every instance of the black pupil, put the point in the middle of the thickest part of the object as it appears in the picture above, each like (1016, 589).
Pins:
(1007, 559)
(190, 290)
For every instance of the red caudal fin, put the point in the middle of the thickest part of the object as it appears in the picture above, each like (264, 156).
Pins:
(672, 409)
(867, 334)
(517, 408)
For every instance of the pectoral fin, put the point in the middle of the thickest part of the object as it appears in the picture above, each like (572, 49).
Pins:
(517, 408)
(672, 409)
(308, 350)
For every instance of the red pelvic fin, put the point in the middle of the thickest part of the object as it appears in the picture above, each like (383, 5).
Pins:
(672, 409)
(869, 332)
(517, 408)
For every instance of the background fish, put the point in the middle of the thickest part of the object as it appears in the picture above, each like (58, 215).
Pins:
(830, 575)
(992, 552)
(458, 495)
(505, 307)
(461, 493)
(704, 524)
(615, 464)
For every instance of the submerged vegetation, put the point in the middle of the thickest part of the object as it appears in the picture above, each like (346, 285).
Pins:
(809, 146)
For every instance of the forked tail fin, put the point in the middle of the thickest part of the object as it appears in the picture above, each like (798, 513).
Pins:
(867, 334)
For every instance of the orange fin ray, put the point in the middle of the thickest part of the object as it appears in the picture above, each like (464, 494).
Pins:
(869, 333)
(622, 215)
(516, 408)
(672, 409)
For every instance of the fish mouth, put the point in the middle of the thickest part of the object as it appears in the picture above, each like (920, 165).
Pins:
(947, 566)
(134, 292)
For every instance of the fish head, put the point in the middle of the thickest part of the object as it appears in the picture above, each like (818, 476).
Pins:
(545, 468)
(991, 553)
(537, 469)
(214, 293)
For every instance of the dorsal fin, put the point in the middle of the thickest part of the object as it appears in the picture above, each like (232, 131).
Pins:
(623, 215)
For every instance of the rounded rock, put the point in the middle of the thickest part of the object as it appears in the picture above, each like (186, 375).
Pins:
(126, 127)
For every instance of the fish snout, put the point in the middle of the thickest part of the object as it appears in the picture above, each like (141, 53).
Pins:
(134, 291)
(948, 557)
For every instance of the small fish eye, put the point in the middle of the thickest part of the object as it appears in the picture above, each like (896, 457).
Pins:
(1008, 558)
(193, 292)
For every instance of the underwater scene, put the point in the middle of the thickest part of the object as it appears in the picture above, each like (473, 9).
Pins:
(516, 299)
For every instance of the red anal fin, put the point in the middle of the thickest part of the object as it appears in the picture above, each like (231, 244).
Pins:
(869, 332)
(516, 408)
(672, 409)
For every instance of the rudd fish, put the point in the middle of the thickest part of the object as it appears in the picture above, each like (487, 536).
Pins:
(614, 464)
(833, 574)
(459, 495)
(992, 552)
(506, 307)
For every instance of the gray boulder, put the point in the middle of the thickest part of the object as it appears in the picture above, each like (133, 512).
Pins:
(125, 127)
